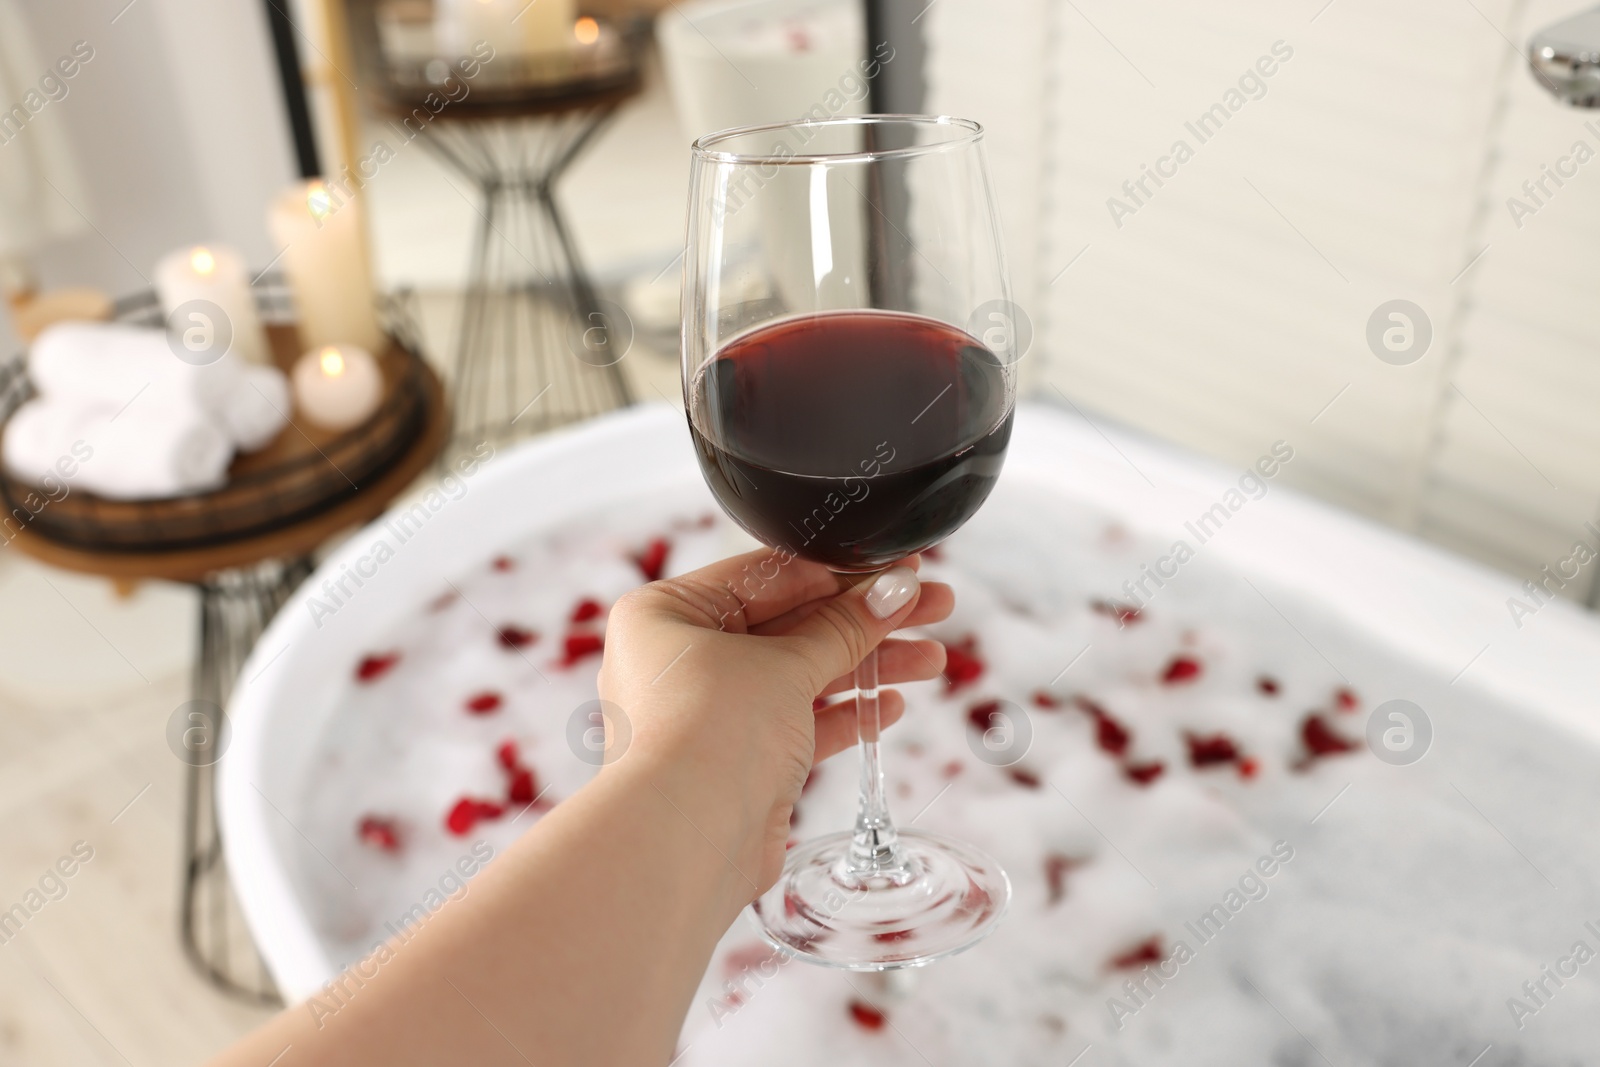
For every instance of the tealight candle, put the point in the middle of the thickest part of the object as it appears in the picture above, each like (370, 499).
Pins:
(325, 262)
(216, 276)
(337, 387)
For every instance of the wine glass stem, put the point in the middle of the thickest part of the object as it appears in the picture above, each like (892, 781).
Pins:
(875, 851)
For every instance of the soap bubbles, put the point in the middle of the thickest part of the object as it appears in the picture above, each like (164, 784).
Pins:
(1399, 732)
(1006, 738)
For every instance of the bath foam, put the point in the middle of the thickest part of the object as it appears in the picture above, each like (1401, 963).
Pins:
(1397, 934)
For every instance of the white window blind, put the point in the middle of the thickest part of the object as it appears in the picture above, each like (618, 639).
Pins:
(1230, 307)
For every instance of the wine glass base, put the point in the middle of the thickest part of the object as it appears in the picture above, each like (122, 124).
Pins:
(954, 897)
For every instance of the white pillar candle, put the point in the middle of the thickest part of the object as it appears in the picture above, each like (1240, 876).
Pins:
(337, 387)
(217, 276)
(515, 27)
(324, 258)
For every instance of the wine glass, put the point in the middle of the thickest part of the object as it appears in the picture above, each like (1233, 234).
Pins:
(843, 411)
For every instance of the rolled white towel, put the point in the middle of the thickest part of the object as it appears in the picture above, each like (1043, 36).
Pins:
(257, 408)
(131, 455)
(150, 454)
(109, 364)
(44, 444)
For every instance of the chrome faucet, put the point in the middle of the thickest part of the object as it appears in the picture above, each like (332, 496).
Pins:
(1565, 58)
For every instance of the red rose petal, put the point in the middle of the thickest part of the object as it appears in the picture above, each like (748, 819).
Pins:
(953, 768)
(508, 756)
(515, 637)
(524, 787)
(371, 668)
(1043, 698)
(485, 702)
(889, 937)
(1123, 613)
(1320, 738)
(981, 716)
(866, 1016)
(587, 609)
(1268, 685)
(747, 958)
(1144, 773)
(653, 560)
(1346, 699)
(380, 833)
(1109, 734)
(1181, 669)
(1056, 866)
(442, 601)
(1206, 750)
(1146, 951)
(1249, 767)
(962, 665)
(580, 646)
(1025, 778)
(468, 812)
(504, 563)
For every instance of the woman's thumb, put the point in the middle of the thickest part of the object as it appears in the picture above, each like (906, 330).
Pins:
(838, 635)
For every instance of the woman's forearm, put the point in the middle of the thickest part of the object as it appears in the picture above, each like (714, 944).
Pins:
(583, 945)
(584, 942)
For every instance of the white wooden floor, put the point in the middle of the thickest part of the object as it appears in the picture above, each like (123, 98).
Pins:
(97, 976)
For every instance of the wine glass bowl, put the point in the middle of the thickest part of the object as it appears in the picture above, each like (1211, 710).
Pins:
(852, 438)
(837, 278)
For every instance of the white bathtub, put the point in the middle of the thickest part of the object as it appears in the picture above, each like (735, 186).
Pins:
(1445, 616)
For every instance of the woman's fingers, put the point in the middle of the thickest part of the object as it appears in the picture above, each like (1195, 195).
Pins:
(742, 592)
(898, 661)
(836, 723)
(830, 641)
(938, 600)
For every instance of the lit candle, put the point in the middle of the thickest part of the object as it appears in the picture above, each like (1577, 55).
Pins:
(512, 26)
(337, 387)
(216, 276)
(324, 260)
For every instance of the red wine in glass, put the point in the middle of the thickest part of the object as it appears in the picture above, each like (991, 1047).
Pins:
(853, 438)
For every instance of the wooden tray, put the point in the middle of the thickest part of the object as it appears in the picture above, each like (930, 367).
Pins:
(304, 471)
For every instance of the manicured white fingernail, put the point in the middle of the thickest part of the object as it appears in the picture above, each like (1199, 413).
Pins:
(892, 590)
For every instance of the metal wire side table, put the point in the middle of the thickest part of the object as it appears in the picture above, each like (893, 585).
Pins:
(243, 574)
(536, 346)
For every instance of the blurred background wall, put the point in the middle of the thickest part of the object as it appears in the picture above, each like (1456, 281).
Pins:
(1223, 309)
(176, 138)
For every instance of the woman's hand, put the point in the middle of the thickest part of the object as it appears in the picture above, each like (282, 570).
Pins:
(715, 674)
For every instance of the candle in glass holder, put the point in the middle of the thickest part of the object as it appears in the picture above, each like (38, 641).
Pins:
(516, 27)
(325, 262)
(337, 387)
(217, 276)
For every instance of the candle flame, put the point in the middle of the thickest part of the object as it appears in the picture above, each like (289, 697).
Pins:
(202, 261)
(332, 362)
(318, 201)
(586, 30)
